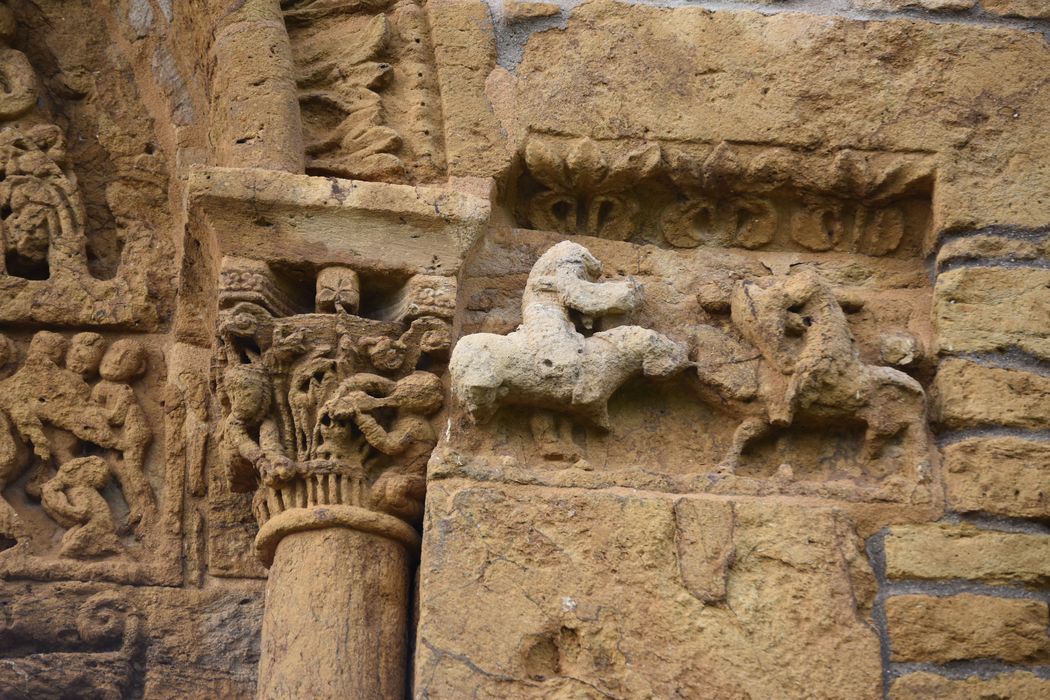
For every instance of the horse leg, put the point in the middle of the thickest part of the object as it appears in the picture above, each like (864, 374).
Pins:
(750, 429)
(553, 436)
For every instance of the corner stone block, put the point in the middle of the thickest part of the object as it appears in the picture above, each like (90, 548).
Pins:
(987, 309)
(929, 686)
(571, 591)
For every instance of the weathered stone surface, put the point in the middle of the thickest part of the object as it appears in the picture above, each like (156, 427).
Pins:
(985, 309)
(994, 248)
(1004, 476)
(1036, 9)
(967, 626)
(699, 76)
(465, 50)
(932, 5)
(968, 395)
(946, 551)
(593, 597)
(929, 686)
(516, 10)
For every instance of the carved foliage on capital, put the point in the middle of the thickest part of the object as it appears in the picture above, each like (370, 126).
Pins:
(323, 405)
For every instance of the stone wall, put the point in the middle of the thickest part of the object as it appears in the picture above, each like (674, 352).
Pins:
(524, 349)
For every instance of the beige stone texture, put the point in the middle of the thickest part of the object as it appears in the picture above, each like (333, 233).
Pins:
(967, 626)
(1018, 685)
(465, 50)
(931, 5)
(945, 551)
(1034, 9)
(517, 10)
(985, 309)
(806, 81)
(579, 594)
(1003, 476)
(968, 395)
(998, 248)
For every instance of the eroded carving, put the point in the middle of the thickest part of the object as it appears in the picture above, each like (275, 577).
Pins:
(553, 362)
(366, 90)
(70, 423)
(330, 408)
(798, 364)
(757, 198)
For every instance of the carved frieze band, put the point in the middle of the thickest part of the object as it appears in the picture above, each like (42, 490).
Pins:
(757, 198)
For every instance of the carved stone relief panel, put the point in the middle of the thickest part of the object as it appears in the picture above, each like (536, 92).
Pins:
(779, 372)
(86, 495)
(367, 89)
(726, 195)
(83, 187)
(328, 399)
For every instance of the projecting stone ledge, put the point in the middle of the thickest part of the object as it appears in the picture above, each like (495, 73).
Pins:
(272, 215)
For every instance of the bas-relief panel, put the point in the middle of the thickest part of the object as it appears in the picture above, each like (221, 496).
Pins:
(83, 186)
(85, 230)
(792, 291)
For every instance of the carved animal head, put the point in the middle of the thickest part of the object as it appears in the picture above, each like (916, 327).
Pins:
(386, 354)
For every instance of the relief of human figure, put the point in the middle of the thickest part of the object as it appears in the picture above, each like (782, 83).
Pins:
(123, 362)
(73, 500)
(250, 435)
(802, 368)
(408, 441)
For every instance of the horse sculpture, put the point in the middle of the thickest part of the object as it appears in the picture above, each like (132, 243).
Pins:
(547, 363)
(802, 368)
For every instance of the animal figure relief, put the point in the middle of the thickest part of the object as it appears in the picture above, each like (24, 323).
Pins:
(802, 368)
(550, 366)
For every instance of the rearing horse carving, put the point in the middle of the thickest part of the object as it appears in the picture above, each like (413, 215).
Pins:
(547, 364)
(802, 368)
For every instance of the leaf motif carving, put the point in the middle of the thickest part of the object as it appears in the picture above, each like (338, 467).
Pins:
(632, 168)
(545, 165)
(586, 166)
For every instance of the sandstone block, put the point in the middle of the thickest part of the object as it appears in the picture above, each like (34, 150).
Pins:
(1031, 9)
(1003, 476)
(968, 395)
(965, 552)
(967, 626)
(984, 309)
(572, 591)
(932, 5)
(992, 247)
(929, 686)
(514, 10)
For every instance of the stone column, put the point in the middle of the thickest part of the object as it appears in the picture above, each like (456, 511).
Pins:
(337, 603)
(256, 118)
